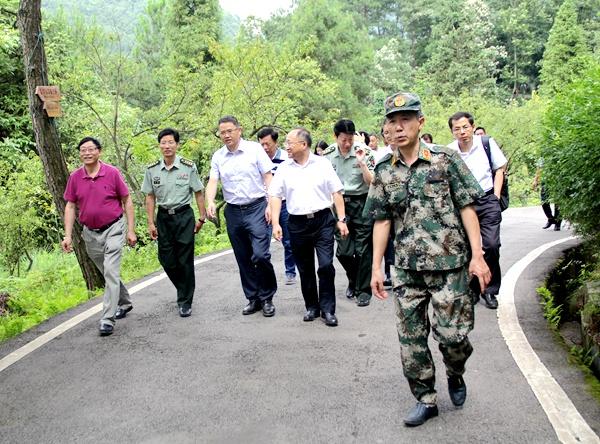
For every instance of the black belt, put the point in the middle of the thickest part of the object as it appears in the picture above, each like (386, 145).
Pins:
(490, 191)
(172, 211)
(311, 215)
(248, 205)
(349, 197)
(103, 228)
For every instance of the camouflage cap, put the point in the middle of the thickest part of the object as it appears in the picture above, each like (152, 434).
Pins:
(402, 101)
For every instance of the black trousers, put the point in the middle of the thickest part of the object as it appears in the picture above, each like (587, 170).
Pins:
(310, 236)
(250, 238)
(490, 216)
(355, 252)
(176, 252)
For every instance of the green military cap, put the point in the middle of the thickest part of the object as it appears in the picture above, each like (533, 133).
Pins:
(402, 101)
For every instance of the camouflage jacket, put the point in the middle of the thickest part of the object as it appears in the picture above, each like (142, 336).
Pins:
(424, 202)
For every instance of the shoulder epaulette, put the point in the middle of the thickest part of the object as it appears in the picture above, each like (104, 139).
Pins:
(187, 162)
(441, 149)
(384, 159)
(153, 164)
(330, 149)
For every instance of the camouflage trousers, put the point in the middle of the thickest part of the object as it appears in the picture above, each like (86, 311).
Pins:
(453, 319)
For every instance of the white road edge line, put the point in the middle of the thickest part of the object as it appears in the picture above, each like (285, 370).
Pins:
(33, 345)
(569, 425)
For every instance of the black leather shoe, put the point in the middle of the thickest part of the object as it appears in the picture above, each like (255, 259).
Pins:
(122, 312)
(362, 302)
(557, 225)
(330, 319)
(387, 283)
(252, 307)
(490, 301)
(548, 224)
(420, 413)
(106, 329)
(349, 293)
(311, 314)
(268, 309)
(457, 390)
(184, 312)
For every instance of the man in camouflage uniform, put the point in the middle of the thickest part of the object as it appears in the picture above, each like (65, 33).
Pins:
(354, 163)
(428, 194)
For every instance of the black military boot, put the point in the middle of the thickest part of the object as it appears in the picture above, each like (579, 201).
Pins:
(457, 389)
(420, 413)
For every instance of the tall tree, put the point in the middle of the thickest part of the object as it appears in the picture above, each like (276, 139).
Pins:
(344, 50)
(15, 132)
(191, 25)
(29, 21)
(567, 52)
(463, 57)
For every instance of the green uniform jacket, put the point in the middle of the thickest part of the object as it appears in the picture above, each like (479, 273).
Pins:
(175, 187)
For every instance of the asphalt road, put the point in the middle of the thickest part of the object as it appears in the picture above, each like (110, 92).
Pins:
(221, 377)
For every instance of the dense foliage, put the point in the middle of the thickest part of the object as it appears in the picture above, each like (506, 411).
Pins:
(571, 155)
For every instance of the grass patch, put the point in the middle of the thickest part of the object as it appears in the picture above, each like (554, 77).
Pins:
(55, 283)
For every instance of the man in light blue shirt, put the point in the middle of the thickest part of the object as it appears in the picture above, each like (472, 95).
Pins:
(244, 170)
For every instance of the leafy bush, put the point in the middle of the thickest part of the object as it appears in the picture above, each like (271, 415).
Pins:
(571, 157)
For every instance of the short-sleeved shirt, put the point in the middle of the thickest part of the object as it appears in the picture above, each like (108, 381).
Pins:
(477, 160)
(98, 198)
(306, 188)
(280, 156)
(172, 187)
(348, 169)
(241, 172)
(424, 202)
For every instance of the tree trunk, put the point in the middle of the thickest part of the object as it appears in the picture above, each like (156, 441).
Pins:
(29, 21)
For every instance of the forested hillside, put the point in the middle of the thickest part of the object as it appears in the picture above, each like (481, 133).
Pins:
(128, 68)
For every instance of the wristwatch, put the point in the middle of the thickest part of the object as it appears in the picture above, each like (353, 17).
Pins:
(202, 220)
(343, 220)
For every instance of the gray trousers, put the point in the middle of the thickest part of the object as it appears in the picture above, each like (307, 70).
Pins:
(105, 250)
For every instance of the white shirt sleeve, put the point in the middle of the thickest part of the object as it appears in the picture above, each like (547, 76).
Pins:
(334, 184)
(498, 159)
(214, 167)
(265, 165)
(277, 189)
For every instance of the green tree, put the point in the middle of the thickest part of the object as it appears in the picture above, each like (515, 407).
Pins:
(344, 51)
(567, 52)
(523, 27)
(264, 85)
(15, 132)
(571, 157)
(463, 58)
(191, 25)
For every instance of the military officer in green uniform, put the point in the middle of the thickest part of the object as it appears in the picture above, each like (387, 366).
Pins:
(171, 183)
(427, 193)
(354, 164)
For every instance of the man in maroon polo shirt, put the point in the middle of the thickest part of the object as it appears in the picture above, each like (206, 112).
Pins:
(97, 189)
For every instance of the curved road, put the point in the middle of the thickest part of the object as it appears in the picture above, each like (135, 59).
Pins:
(221, 377)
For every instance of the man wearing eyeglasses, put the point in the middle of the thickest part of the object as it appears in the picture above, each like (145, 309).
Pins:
(170, 183)
(100, 193)
(309, 184)
(244, 170)
(490, 178)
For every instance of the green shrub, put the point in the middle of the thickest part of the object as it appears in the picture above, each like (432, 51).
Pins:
(571, 156)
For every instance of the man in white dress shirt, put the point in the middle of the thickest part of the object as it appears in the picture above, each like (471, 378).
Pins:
(490, 178)
(309, 183)
(245, 173)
